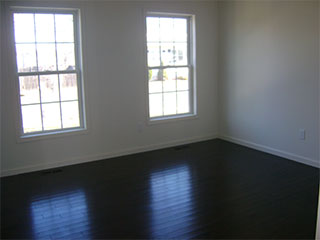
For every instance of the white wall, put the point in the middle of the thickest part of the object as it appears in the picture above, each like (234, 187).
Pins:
(115, 88)
(268, 82)
(1, 71)
(318, 218)
(268, 79)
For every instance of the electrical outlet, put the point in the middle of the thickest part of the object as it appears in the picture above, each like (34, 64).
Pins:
(302, 134)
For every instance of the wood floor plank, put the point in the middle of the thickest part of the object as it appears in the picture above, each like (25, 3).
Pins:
(206, 190)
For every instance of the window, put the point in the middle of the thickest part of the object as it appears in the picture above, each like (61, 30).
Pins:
(48, 69)
(170, 66)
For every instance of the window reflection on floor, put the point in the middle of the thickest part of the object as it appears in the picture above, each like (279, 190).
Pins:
(63, 216)
(172, 203)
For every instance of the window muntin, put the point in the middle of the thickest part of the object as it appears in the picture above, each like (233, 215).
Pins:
(170, 79)
(48, 68)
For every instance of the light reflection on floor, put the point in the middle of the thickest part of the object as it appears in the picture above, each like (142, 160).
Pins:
(172, 203)
(61, 216)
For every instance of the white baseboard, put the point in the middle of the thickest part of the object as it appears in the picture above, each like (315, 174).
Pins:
(280, 153)
(102, 156)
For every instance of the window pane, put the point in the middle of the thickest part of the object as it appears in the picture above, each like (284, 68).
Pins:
(182, 79)
(155, 104)
(169, 76)
(155, 75)
(167, 54)
(180, 29)
(23, 27)
(46, 54)
(66, 57)
(31, 118)
(51, 116)
(68, 87)
(47, 57)
(166, 29)
(26, 57)
(153, 54)
(181, 53)
(49, 88)
(70, 114)
(29, 89)
(44, 27)
(170, 103)
(64, 27)
(183, 102)
(153, 29)
(155, 81)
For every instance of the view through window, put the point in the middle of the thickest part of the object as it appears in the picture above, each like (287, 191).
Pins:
(169, 65)
(48, 70)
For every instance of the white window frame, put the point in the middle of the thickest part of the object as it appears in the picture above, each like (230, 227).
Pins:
(78, 71)
(191, 65)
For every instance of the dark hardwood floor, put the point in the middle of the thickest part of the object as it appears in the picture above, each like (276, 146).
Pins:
(211, 189)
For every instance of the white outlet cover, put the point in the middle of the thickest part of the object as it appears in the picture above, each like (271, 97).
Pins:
(302, 134)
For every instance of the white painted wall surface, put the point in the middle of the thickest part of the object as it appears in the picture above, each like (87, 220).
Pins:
(269, 76)
(1, 77)
(115, 88)
(318, 218)
(268, 82)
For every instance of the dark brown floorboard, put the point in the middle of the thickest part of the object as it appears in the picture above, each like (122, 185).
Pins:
(211, 189)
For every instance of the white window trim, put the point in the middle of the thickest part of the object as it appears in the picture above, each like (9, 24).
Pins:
(191, 64)
(48, 134)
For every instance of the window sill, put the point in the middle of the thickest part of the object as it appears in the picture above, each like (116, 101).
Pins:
(174, 118)
(51, 135)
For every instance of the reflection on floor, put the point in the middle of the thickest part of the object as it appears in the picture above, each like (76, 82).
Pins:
(211, 189)
(171, 203)
(66, 212)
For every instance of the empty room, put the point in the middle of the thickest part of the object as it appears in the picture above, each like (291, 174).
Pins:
(159, 119)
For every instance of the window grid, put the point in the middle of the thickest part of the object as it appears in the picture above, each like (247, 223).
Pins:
(34, 104)
(22, 74)
(57, 72)
(56, 51)
(160, 55)
(175, 56)
(175, 91)
(37, 63)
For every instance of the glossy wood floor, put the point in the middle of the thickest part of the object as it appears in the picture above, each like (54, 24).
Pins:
(212, 189)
